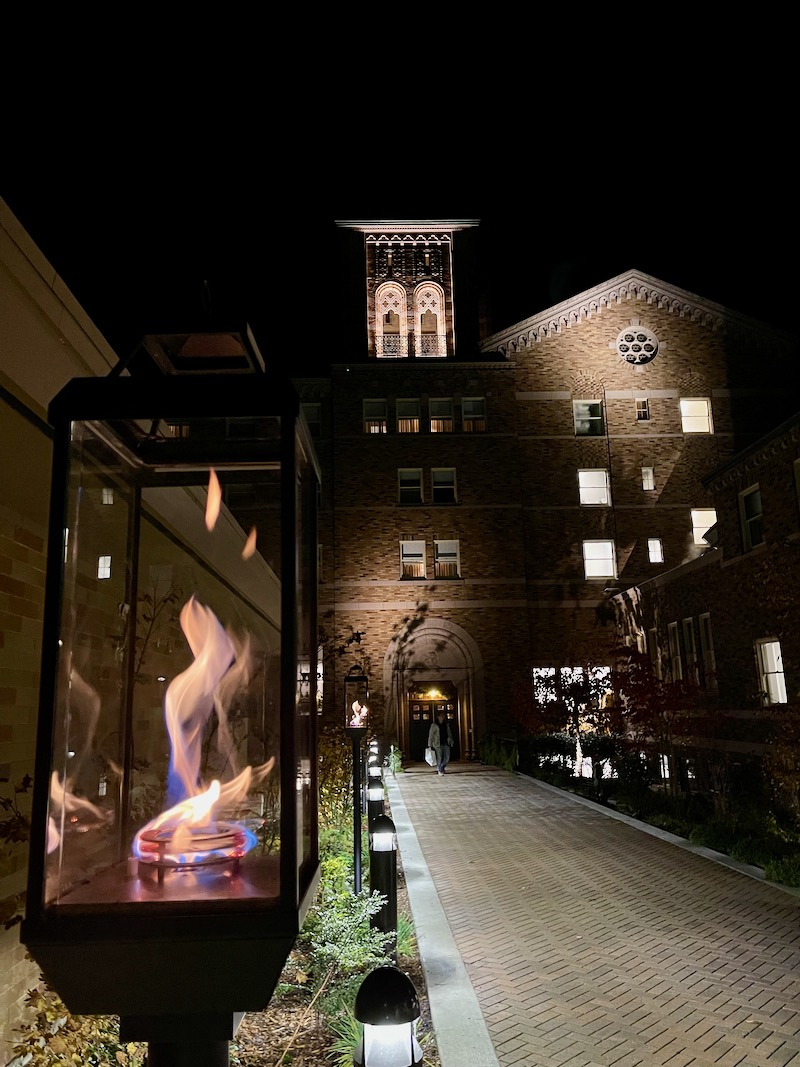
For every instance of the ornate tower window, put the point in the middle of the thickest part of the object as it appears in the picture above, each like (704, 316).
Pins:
(429, 334)
(391, 321)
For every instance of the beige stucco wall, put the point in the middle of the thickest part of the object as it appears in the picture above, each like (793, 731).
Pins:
(45, 340)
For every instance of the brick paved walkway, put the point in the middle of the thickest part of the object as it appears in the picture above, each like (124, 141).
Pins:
(591, 943)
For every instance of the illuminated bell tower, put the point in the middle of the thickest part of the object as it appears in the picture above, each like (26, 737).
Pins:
(409, 274)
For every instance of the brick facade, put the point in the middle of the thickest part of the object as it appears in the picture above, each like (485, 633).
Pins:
(522, 598)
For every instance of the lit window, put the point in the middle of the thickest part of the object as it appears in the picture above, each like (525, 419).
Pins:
(593, 487)
(104, 566)
(751, 515)
(770, 671)
(444, 485)
(655, 549)
(412, 559)
(313, 417)
(696, 416)
(702, 521)
(648, 478)
(708, 662)
(690, 647)
(374, 416)
(642, 410)
(544, 684)
(446, 559)
(441, 415)
(108, 496)
(66, 542)
(408, 416)
(473, 414)
(588, 418)
(675, 652)
(179, 429)
(410, 485)
(599, 559)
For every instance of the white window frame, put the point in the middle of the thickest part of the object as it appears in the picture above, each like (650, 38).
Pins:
(675, 661)
(594, 487)
(103, 567)
(707, 656)
(107, 495)
(446, 558)
(772, 680)
(409, 485)
(654, 651)
(642, 409)
(473, 414)
(440, 414)
(700, 525)
(588, 418)
(412, 560)
(443, 486)
(690, 649)
(599, 559)
(409, 420)
(696, 414)
(648, 479)
(752, 524)
(375, 415)
(655, 549)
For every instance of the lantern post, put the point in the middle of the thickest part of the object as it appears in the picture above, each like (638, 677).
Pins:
(356, 710)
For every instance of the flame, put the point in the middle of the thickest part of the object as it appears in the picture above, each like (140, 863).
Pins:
(250, 544)
(214, 500)
(221, 668)
(359, 713)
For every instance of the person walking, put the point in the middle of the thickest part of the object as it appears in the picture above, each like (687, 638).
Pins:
(440, 739)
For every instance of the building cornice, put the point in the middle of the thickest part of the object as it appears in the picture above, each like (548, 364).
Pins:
(398, 227)
(633, 285)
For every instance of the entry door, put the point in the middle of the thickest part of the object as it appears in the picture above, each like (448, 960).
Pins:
(452, 721)
(421, 716)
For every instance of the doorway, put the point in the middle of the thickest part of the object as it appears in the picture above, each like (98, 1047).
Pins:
(424, 704)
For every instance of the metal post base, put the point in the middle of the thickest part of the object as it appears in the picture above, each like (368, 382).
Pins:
(188, 1054)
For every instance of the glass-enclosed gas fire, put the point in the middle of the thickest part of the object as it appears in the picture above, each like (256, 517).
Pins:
(174, 849)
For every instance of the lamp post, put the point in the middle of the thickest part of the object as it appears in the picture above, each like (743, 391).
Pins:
(388, 1006)
(356, 710)
(161, 615)
(383, 875)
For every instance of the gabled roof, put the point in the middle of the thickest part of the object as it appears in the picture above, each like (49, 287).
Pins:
(633, 285)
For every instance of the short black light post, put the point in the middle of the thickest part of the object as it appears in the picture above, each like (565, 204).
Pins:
(374, 798)
(356, 700)
(383, 875)
(388, 1006)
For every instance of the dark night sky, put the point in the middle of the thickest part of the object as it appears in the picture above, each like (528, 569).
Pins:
(136, 235)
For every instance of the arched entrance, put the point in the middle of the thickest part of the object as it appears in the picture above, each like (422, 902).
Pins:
(434, 662)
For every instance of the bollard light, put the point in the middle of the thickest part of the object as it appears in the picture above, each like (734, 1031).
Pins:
(383, 876)
(388, 1006)
(374, 800)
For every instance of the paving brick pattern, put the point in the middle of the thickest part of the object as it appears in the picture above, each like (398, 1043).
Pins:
(591, 943)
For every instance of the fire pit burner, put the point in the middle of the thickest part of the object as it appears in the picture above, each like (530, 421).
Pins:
(183, 849)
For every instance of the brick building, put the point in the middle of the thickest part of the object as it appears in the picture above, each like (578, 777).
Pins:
(726, 623)
(483, 502)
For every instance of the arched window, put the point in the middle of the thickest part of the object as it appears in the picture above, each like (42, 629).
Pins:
(429, 329)
(391, 322)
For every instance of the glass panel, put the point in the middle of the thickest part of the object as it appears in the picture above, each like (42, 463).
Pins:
(165, 775)
(593, 485)
(695, 416)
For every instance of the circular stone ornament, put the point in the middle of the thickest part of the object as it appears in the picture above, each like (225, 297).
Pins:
(637, 345)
